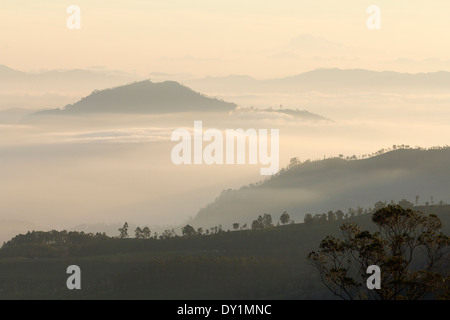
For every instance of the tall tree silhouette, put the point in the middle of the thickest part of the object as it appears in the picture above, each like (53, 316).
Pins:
(123, 231)
(406, 273)
(285, 218)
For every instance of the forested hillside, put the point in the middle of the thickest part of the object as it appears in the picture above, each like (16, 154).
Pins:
(320, 186)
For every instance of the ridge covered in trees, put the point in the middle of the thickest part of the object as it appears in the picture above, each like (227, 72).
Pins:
(317, 185)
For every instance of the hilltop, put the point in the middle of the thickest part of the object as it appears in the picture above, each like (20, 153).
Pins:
(144, 97)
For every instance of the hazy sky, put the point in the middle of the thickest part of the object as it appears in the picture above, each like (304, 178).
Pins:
(211, 37)
(113, 169)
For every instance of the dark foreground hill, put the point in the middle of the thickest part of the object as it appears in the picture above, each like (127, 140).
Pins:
(258, 264)
(144, 97)
(316, 187)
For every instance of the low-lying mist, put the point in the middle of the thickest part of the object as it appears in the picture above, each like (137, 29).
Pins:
(62, 171)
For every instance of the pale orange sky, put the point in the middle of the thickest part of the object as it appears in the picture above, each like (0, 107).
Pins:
(209, 37)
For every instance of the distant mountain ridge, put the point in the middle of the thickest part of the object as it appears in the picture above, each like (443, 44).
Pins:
(329, 81)
(60, 81)
(331, 184)
(144, 97)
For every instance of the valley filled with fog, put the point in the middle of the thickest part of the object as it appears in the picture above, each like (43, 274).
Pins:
(61, 171)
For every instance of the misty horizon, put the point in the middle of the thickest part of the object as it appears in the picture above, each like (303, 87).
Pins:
(78, 147)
